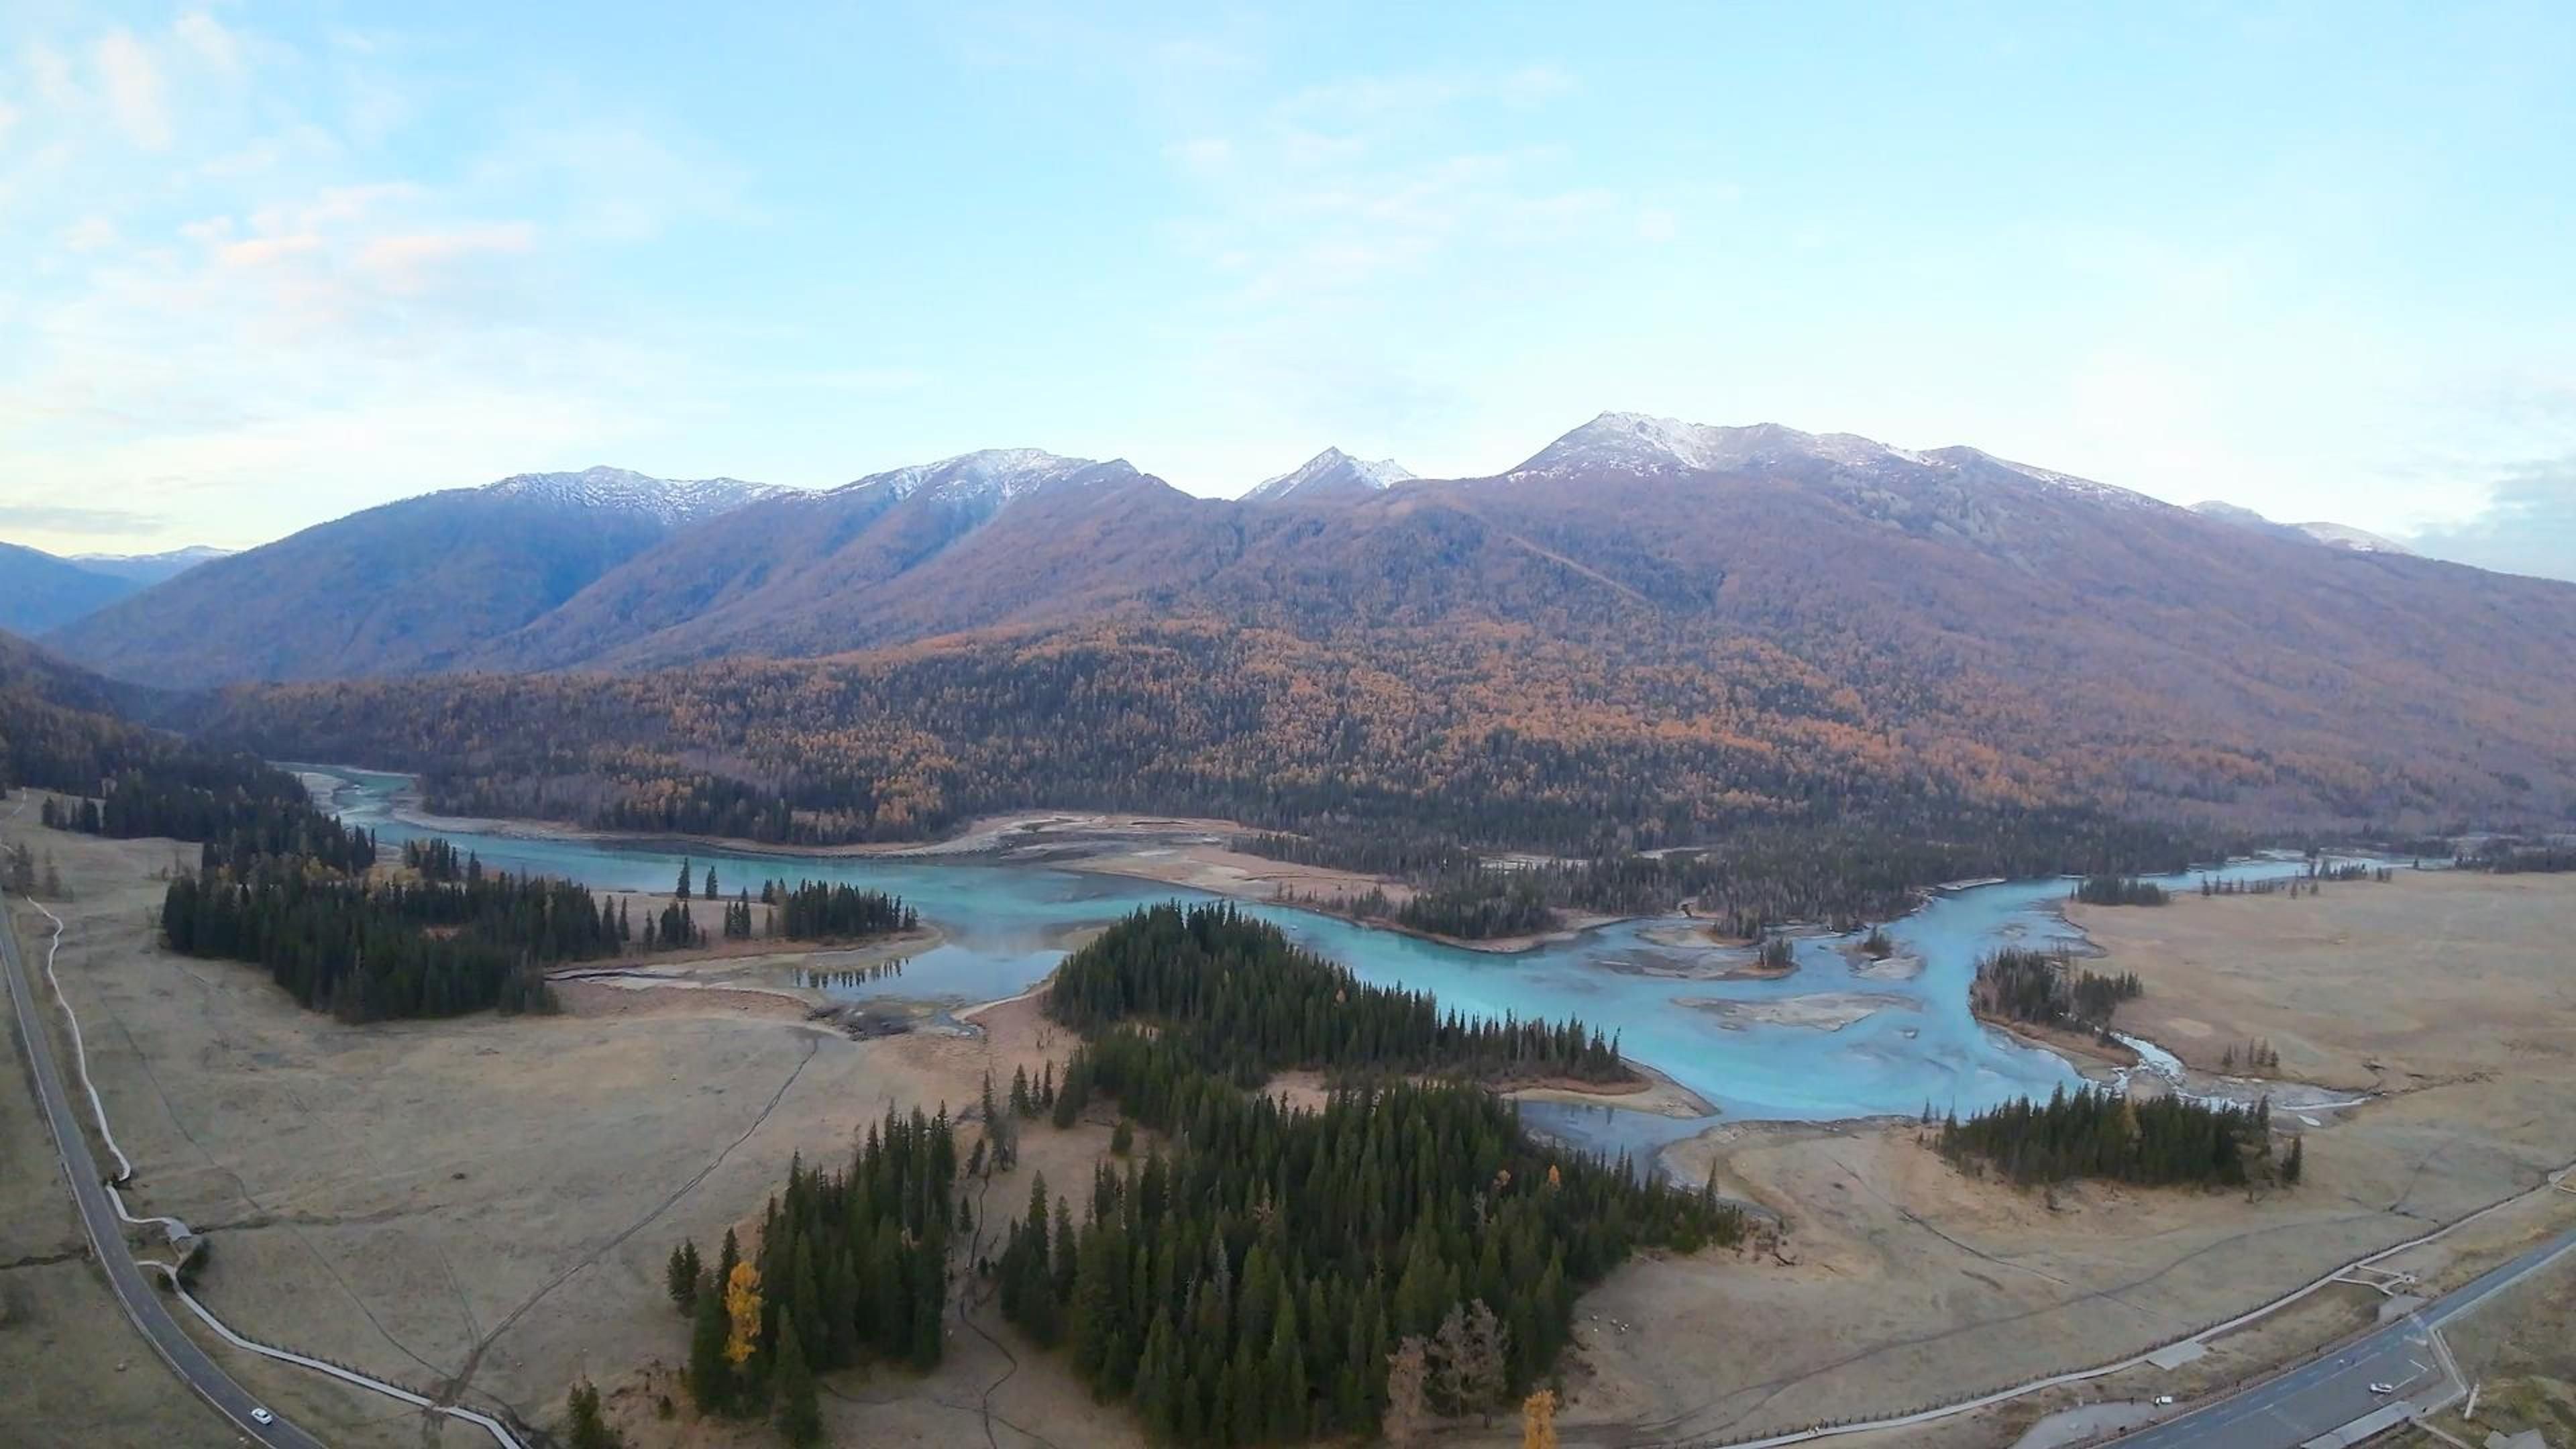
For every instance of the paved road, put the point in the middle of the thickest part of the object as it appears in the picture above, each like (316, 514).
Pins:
(2316, 1398)
(145, 1305)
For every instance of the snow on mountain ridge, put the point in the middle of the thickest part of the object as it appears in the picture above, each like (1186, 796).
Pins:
(2330, 535)
(1330, 471)
(1641, 443)
(672, 501)
(994, 476)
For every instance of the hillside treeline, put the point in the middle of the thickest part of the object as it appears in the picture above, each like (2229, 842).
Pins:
(1254, 1287)
(1238, 999)
(369, 952)
(1488, 738)
(2103, 1133)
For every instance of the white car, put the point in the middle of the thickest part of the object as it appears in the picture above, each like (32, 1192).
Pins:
(2164, 1400)
(262, 1416)
(2383, 1388)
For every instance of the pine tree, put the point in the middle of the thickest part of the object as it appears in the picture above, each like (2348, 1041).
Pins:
(680, 1277)
(589, 1426)
(682, 889)
(800, 1415)
(710, 1373)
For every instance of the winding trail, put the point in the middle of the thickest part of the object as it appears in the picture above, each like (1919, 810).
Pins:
(208, 1380)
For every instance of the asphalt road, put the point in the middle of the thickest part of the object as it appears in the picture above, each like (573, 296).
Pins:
(2316, 1398)
(144, 1304)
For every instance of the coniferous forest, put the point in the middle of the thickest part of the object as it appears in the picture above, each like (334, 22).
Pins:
(851, 1267)
(1251, 1286)
(2101, 1132)
(371, 951)
(817, 911)
(240, 805)
(1237, 998)
(1262, 1273)
(2047, 988)
(2120, 890)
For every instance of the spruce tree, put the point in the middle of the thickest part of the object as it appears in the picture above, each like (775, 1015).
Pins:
(800, 1414)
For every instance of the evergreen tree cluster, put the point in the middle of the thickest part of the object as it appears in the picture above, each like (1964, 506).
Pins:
(852, 1267)
(2121, 890)
(1480, 904)
(2099, 1132)
(817, 910)
(1238, 998)
(437, 860)
(368, 952)
(238, 804)
(2045, 987)
(2516, 857)
(1250, 1286)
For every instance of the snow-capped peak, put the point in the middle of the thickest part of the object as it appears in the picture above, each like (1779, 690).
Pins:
(993, 477)
(1642, 443)
(2331, 535)
(2344, 535)
(1330, 473)
(671, 501)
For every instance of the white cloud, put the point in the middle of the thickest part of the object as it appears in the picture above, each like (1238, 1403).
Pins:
(407, 262)
(49, 73)
(134, 89)
(89, 234)
(8, 121)
(211, 42)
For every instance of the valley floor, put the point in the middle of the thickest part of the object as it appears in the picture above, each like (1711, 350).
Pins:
(485, 1204)
(1900, 1282)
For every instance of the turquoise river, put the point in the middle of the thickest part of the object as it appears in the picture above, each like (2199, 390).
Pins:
(1838, 1038)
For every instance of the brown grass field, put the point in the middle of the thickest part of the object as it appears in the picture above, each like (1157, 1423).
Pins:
(485, 1204)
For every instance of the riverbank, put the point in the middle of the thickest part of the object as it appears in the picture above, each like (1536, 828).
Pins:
(2082, 1048)
(1191, 852)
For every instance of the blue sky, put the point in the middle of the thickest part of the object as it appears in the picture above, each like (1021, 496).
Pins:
(260, 265)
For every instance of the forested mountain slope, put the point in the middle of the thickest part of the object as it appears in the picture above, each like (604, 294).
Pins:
(1648, 632)
(987, 538)
(406, 586)
(59, 726)
(39, 591)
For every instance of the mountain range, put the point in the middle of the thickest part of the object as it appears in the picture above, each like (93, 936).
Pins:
(39, 591)
(413, 585)
(1761, 609)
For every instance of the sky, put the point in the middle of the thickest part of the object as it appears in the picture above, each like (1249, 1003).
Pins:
(261, 265)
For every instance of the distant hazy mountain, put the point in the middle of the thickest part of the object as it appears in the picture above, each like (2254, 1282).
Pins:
(1330, 474)
(409, 585)
(146, 569)
(39, 591)
(2332, 535)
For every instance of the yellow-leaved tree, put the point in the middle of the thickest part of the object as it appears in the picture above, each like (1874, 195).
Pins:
(1538, 1421)
(742, 1309)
